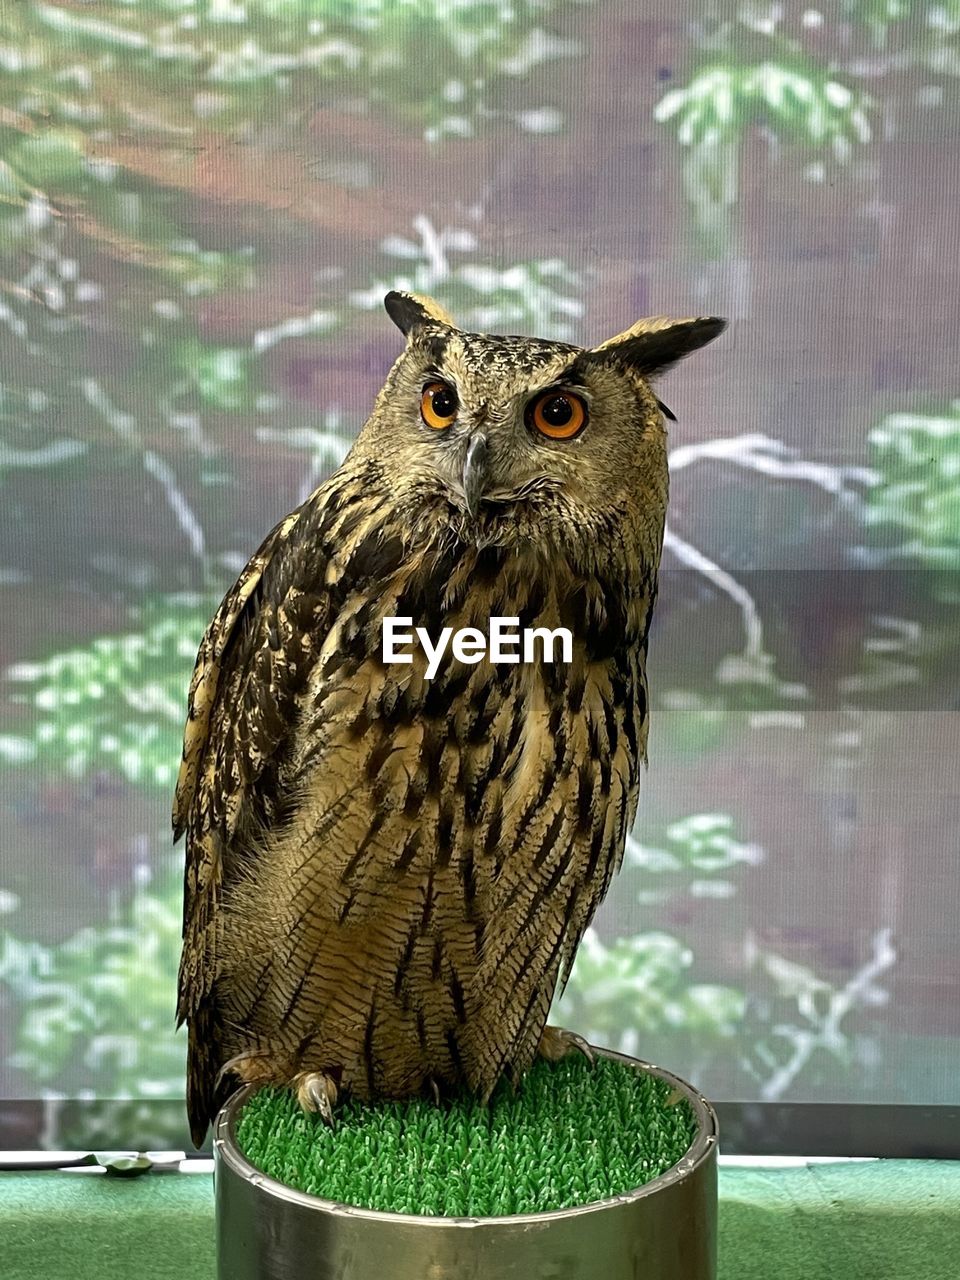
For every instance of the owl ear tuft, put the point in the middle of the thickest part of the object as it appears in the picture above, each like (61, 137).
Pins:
(410, 311)
(651, 346)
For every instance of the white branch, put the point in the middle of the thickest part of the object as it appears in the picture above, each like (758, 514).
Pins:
(764, 456)
(433, 247)
(328, 447)
(761, 454)
(161, 471)
(691, 558)
(294, 327)
(47, 455)
(125, 425)
(860, 990)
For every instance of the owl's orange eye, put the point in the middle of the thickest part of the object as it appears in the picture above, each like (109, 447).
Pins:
(438, 405)
(559, 415)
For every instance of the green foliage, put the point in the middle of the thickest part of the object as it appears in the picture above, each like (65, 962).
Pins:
(635, 985)
(634, 992)
(755, 71)
(638, 985)
(99, 1006)
(800, 101)
(701, 843)
(51, 159)
(117, 703)
(787, 1029)
(79, 200)
(941, 18)
(541, 296)
(437, 64)
(163, 371)
(221, 375)
(795, 99)
(913, 511)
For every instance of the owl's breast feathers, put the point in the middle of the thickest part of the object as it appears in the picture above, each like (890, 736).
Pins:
(388, 870)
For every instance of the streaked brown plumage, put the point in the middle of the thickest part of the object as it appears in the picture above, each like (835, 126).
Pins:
(387, 875)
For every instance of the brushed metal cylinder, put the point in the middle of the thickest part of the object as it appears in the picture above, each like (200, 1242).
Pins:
(665, 1230)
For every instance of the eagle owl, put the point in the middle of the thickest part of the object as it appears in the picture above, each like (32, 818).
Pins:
(388, 874)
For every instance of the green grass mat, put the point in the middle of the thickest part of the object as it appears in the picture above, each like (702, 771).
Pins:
(571, 1135)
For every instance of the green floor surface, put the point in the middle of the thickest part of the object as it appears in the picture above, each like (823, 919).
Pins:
(889, 1220)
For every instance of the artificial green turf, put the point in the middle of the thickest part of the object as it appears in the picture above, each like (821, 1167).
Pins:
(573, 1134)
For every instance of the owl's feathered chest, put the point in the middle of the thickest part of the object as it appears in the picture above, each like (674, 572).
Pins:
(465, 827)
(476, 738)
(364, 675)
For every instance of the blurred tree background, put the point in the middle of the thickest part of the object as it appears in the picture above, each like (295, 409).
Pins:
(202, 203)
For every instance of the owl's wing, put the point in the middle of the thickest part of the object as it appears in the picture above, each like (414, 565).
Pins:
(216, 647)
(252, 664)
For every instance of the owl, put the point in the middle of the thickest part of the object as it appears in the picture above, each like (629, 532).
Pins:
(389, 867)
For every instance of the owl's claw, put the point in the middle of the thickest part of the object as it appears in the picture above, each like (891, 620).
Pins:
(254, 1067)
(317, 1094)
(556, 1043)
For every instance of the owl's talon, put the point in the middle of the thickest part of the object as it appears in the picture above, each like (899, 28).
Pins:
(316, 1093)
(244, 1067)
(556, 1043)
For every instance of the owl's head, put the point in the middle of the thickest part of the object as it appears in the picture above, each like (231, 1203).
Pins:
(514, 440)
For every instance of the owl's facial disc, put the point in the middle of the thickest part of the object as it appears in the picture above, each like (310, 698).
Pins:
(497, 432)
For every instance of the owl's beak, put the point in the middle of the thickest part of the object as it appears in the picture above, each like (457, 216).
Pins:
(475, 473)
